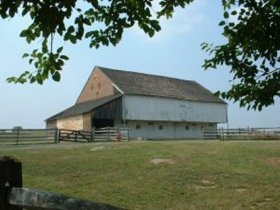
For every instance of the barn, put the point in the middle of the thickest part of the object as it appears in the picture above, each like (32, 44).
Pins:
(150, 106)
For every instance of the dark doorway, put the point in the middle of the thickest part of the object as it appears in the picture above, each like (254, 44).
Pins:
(101, 123)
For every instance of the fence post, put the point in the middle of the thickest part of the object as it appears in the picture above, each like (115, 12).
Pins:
(10, 176)
(108, 134)
(17, 136)
(76, 135)
(221, 134)
(92, 134)
(56, 135)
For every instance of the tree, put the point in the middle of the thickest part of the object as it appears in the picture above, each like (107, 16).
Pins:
(102, 22)
(252, 51)
(251, 28)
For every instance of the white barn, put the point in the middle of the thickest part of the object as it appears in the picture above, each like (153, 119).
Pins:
(152, 107)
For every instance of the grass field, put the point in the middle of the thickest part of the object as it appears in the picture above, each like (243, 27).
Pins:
(159, 175)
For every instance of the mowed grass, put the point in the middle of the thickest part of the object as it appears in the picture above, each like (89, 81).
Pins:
(196, 175)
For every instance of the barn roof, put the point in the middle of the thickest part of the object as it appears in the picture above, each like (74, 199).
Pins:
(133, 83)
(84, 107)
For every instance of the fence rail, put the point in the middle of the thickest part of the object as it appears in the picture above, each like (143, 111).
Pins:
(14, 197)
(40, 136)
(243, 134)
(111, 134)
(74, 136)
(27, 136)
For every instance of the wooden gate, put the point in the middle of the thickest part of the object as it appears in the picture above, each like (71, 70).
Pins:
(74, 136)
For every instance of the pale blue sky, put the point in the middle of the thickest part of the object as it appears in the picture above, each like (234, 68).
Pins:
(174, 52)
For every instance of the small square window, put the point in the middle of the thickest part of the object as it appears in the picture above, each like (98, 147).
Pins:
(160, 127)
(138, 127)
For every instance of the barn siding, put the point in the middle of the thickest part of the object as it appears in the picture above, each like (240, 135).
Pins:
(87, 122)
(72, 123)
(162, 109)
(51, 124)
(97, 86)
(170, 130)
(112, 110)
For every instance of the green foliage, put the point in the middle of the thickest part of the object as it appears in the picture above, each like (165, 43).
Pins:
(46, 62)
(101, 22)
(252, 30)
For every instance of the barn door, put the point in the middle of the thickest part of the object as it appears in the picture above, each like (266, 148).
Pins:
(102, 123)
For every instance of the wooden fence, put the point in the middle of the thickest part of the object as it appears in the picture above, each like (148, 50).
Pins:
(14, 197)
(47, 136)
(111, 134)
(28, 136)
(74, 136)
(243, 134)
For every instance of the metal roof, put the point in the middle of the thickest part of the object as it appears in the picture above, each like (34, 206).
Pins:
(84, 107)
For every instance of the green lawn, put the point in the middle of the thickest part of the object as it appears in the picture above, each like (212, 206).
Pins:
(197, 175)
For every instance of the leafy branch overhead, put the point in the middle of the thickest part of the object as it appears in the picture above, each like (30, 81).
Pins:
(252, 51)
(251, 29)
(101, 22)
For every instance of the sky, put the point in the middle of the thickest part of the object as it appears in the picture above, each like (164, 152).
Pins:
(174, 52)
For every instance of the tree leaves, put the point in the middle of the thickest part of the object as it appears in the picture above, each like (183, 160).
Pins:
(226, 15)
(251, 28)
(45, 63)
(101, 22)
(251, 52)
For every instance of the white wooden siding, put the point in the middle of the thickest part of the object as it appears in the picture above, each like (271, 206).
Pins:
(170, 130)
(163, 109)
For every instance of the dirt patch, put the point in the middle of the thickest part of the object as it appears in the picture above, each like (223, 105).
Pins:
(204, 187)
(274, 161)
(158, 161)
(207, 182)
(97, 148)
(261, 203)
(241, 190)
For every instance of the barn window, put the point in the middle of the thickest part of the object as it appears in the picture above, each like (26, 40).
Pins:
(138, 126)
(160, 127)
(187, 127)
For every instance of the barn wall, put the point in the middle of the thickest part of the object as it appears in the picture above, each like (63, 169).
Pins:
(87, 122)
(79, 122)
(97, 86)
(162, 109)
(51, 124)
(72, 123)
(112, 110)
(167, 130)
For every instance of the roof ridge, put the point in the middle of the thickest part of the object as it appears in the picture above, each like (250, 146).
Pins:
(142, 73)
(136, 83)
